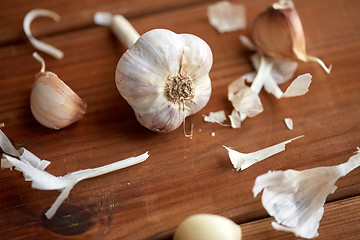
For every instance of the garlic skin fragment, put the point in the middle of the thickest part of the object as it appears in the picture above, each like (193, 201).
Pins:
(164, 77)
(241, 161)
(207, 227)
(235, 119)
(225, 16)
(299, 86)
(53, 103)
(278, 33)
(33, 169)
(43, 180)
(216, 117)
(22, 153)
(39, 45)
(244, 99)
(282, 70)
(296, 198)
(289, 123)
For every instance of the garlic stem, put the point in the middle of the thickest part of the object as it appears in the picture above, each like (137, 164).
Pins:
(319, 61)
(264, 70)
(124, 31)
(41, 60)
(120, 26)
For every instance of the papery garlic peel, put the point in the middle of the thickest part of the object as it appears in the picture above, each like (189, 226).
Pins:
(164, 77)
(278, 33)
(39, 45)
(296, 198)
(53, 103)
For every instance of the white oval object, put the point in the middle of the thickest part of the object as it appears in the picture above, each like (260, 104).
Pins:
(208, 227)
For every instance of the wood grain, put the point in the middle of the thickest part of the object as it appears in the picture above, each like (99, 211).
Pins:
(182, 176)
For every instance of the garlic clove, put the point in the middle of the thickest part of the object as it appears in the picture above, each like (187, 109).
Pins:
(208, 227)
(278, 33)
(54, 104)
(162, 119)
(197, 56)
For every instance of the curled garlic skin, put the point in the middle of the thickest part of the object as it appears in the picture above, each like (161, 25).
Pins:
(164, 77)
(208, 227)
(53, 103)
(39, 45)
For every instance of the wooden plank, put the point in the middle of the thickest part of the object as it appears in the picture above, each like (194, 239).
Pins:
(74, 14)
(182, 176)
(341, 220)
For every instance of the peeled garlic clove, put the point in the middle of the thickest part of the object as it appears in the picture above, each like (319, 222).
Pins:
(208, 227)
(164, 76)
(278, 33)
(54, 104)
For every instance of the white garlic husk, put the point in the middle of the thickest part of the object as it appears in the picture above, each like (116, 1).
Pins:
(208, 227)
(53, 103)
(164, 76)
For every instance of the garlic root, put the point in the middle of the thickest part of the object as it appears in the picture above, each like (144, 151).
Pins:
(54, 104)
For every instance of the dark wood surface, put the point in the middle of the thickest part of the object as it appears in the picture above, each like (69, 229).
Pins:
(182, 176)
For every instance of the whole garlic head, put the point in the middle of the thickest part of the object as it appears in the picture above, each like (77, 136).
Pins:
(164, 77)
(53, 103)
(208, 227)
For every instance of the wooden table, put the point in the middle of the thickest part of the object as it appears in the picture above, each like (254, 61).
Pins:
(182, 176)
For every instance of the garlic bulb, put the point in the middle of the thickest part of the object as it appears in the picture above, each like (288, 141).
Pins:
(54, 104)
(278, 33)
(207, 227)
(164, 76)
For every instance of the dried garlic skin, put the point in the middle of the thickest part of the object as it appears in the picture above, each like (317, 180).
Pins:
(164, 77)
(278, 33)
(54, 104)
(296, 198)
(208, 227)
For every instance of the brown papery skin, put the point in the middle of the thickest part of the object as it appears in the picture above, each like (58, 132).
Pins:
(279, 33)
